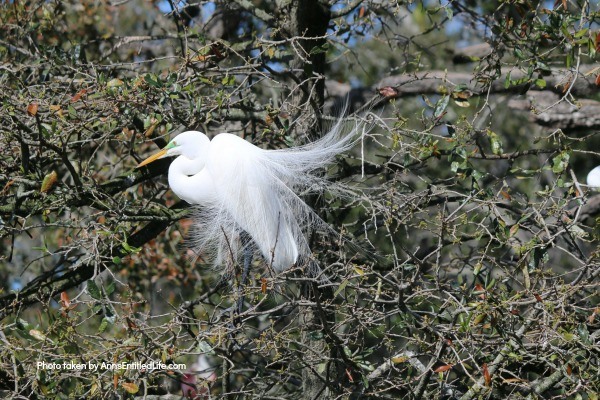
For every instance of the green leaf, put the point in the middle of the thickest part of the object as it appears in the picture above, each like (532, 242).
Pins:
(72, 112)
(315, 335)
(583, 333)
(365, 380)
(560, 162)
(340, 288)
(93, 290)
(319, 49)
(536, 256)
(103, 325)
(507, 81)
(116, 82)
(440, 106)
(130, 387)
(129, 249)
(321, 367)
(110, 288)
(519, 54)
(228, 80)
(495, 143)
(581, 33)
(513, 230)
(569, 59)
(150, 80)
(540, 83)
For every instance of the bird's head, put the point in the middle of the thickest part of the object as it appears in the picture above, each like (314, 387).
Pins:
(190, 144)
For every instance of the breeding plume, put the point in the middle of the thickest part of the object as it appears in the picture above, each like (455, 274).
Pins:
(239, 188)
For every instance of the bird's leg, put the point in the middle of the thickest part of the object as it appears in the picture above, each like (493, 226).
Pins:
(235, 310)
(245, 271)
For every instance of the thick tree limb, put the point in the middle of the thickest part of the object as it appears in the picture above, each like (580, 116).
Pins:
(429, 82)
(548, 110)
(257, 12)
(472, 53)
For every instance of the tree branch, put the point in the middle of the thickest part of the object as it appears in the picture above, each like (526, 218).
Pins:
(55, 281)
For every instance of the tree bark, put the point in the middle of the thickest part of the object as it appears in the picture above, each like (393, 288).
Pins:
(308, 23)
(307, 28)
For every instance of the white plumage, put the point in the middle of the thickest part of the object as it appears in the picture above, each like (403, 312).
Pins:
(239, 187)
(593, 178)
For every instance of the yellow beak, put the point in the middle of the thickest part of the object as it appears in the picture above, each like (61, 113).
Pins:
(152, 158)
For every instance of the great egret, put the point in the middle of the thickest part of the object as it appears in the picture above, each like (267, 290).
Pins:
(242, 188)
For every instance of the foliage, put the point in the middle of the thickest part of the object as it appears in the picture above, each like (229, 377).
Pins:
(467, 262)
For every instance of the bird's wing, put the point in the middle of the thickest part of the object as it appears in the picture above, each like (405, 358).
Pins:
(251, 195)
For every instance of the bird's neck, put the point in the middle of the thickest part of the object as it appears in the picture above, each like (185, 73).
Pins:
(181, 171)
(186, 166)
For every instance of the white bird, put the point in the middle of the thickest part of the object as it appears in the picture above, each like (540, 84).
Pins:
(239, 187)
(593, 178)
